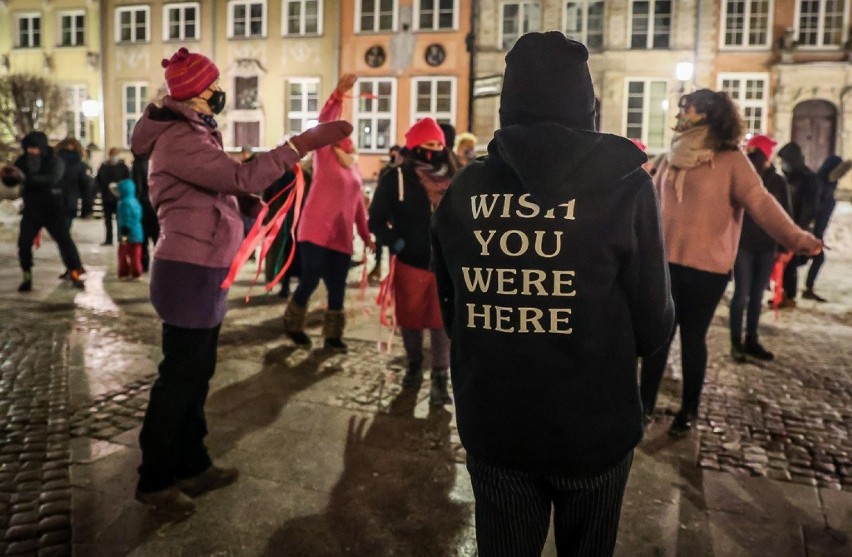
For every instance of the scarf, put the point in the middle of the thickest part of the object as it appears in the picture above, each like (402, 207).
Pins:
(434, 180)
(209, 120)
(688, 151)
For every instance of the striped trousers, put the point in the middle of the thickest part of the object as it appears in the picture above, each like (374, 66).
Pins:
(513, 510)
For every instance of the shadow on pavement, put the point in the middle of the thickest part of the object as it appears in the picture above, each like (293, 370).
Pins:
(393, 497)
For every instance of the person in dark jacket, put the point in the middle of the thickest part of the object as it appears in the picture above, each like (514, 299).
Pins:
(75, 180)
(150, 225)
(804, 196)
(41, 172)
(755, 258)
(400, 215)
(553, 281)
(832, 170)
(112, 171)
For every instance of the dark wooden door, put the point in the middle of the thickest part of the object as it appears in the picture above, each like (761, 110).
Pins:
(815, 129)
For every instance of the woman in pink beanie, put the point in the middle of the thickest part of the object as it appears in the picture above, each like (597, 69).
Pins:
(198, 192)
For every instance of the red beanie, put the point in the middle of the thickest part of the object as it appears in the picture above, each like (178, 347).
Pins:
(762, 142)
(189, 74)
(638, 143)
(422, 132)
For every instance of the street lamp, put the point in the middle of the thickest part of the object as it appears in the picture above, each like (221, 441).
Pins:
(91, 110)
(683, 73)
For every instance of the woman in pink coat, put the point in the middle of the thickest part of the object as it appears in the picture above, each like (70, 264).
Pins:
(335, 204)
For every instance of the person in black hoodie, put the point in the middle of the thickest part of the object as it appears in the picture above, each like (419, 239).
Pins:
(553, 281)
(41, 172)
(755, 258)
(112, 171)
(804, 196)
(75, 180)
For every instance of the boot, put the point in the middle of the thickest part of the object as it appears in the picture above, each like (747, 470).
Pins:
(26, 284)
(294, 323)
(170, 500)
(212, 478)
(786, 302)
(682, 424)
(332, 330)
(438, 395)
(809, 294)
(413, 377)
(753, 348)
(737, 352)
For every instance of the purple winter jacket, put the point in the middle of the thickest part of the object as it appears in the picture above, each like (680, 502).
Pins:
(193, 184)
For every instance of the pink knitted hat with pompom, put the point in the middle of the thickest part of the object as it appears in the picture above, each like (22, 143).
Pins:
(188, 74)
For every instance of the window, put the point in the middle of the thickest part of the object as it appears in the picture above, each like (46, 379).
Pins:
(518, 18)
(246, 19)
(584, 22)
(247, 134)
(750, 92)
(821, 22)
(72, 28)
(75, 121)
(302, 17)
(135, 100)
(652, 23)
(302, 104)
(646, 112)
(436, 14)
(374, 114)
(375, 16)
(746, 23)
(29, 30)
(434, 97)
(245, 93)
(181, 22)
(131, 24)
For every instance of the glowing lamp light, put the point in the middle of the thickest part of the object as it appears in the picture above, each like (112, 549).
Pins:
(684, 71)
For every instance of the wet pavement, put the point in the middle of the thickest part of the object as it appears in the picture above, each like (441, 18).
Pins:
(337, 460)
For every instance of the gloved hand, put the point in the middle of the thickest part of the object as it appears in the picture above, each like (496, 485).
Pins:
(11, 175)
(321, 135)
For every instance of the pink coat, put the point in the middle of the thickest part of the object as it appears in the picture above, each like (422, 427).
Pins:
(336, 201)
(193, 184)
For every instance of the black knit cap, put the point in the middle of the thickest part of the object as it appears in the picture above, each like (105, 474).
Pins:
(547, 79)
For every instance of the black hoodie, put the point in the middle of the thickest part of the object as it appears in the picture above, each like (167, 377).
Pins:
(553, 280)
(42, 191)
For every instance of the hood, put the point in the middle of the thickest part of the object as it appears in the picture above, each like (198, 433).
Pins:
(792, 155)
(69, 157)
(126, 188)
(554, 162)
(35, 139)
(155, 121)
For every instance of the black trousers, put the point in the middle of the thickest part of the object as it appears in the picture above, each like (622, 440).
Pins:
(110, 208)
(58, 228)
(696, 295)
(513, 510)
(172, 437)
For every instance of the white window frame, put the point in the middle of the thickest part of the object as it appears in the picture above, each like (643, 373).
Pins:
(584, 38)
(31, 16)
(435, 18)
(821, 27)
(742, 102)
(304, 115)
(133, 9)
(125, 115)
(652, 149)
(376, 19)
(60, 30)
(649, 42)
(247, 3)
(357, 115)
(747, 27)
(75, 94)
(302, 33)
(182, 7)
(433, 112)
(522, 4)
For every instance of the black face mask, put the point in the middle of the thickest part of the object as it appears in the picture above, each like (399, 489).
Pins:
(33, 162)
(216, 102)
(430, 157)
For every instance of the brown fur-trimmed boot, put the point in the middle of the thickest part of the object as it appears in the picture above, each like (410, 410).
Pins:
(332, 330)
(294, 323)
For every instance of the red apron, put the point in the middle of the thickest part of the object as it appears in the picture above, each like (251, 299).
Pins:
(416, 298)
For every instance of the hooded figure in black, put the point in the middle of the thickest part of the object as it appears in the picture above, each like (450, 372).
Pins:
(42, 173)
(553, 282)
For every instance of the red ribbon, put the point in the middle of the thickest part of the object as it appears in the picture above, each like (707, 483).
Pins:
(777, 278)
(264, 234)
(385, 301)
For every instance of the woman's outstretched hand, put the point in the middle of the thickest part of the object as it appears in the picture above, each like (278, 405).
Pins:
(321, 135)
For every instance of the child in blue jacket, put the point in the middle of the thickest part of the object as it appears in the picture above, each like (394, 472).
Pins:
(129, 217)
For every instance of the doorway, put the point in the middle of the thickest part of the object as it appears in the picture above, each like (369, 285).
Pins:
(815, 130)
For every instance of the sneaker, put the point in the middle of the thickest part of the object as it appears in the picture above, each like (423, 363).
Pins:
(299, 338)
(25, 286)
(170, 500)
(682, 425)
(334, 344)
(809, 294)
(65, 275)
(77, 280)
(753, 348)
(209, 480)
(737, 353)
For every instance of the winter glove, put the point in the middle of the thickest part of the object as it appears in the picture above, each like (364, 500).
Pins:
(11, 176)
(327, 133)
(250, 205)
